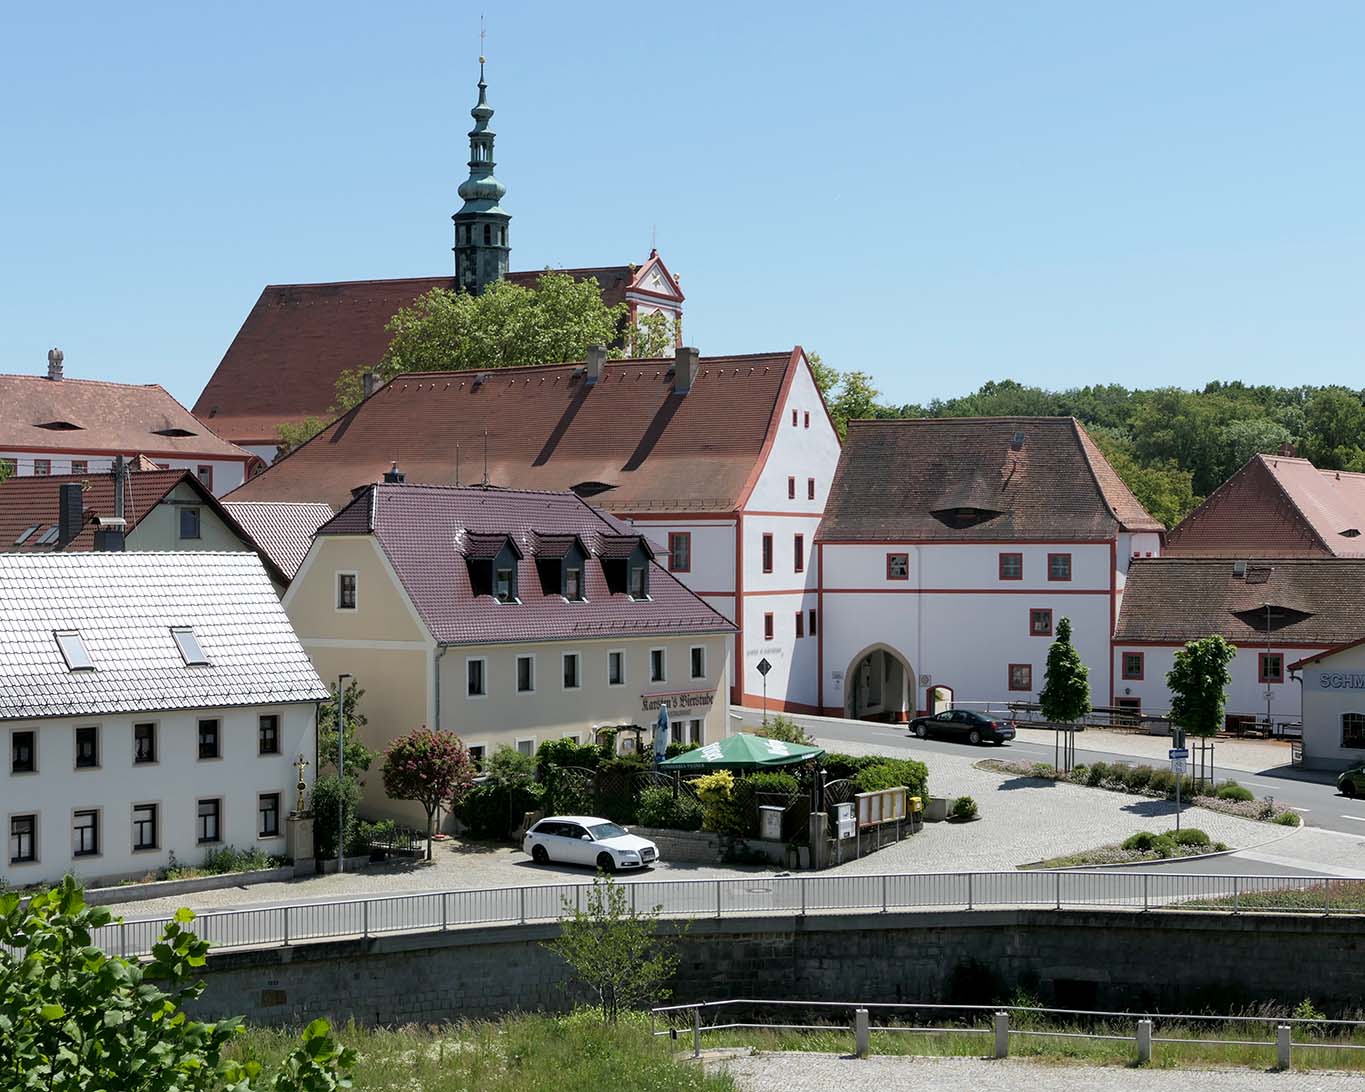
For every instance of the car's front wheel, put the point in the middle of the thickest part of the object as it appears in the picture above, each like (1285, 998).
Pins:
(921, 731)
(974, 736)
(540, 855)
(606, 862)
(1348, 787)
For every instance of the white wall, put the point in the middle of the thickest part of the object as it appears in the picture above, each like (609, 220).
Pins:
(176, 781)
(1246, 693)
(1332, 687)
(227, 473)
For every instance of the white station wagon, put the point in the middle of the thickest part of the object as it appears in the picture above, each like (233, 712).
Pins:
(582, 839)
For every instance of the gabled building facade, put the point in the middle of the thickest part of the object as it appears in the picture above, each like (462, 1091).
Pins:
(1333, 706)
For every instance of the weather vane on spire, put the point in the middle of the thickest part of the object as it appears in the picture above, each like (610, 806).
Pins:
(483, 33)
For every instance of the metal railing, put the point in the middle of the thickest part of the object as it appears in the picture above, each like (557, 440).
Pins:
(280, 926)
(691, 1018)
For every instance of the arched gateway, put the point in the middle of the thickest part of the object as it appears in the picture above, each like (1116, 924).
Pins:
(879, 685)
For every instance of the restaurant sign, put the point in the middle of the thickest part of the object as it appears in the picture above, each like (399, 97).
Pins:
(678, 701)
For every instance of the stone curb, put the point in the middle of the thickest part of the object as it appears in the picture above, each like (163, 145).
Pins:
(163, 889)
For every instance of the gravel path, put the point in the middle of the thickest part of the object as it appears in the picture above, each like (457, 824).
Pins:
(822, 1072)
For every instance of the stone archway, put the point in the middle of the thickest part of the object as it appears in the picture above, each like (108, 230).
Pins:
(879, 685)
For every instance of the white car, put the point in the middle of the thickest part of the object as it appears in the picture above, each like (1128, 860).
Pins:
(582, 839)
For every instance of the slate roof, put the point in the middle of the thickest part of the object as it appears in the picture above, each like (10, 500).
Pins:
(1277, 506)
(894, 475)
(110, 418)
(283, 530)
(285, 360)
(548, 428)
(1183, 598)
(423, 530)
(124, 605)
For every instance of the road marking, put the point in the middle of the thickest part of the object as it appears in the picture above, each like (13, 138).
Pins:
(1357, 818)
(1293, 808)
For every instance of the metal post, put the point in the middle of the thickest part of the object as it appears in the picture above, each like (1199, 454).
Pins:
(1178, 776)
(1327, 897)
(123, 938)
(883, 893)
(445, 911)
(717, 883)
(341, 771)
(365, 918)
(862, 1035)
(1002, 1035)
(1282, 1047)
(521, 892)
(286, 926)
(696, 1032)
(1146, 902)
(632, 902)
(1059, 889)
(1236, 895)
(802, 883)
(1144, 1041)
(969, 891)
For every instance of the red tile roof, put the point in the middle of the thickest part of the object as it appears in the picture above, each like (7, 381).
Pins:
(1277, 506)
(894, 475)
(1184, 598)
(117, 418)
(547, 428)
(297, 340)
(421, 529)
(283, 530)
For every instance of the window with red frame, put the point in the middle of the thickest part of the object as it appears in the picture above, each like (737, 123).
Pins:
(791, 489)
(768, 627)
(793, 418)
(1021, 676)
(1271, 667)
(800, 624)
(1040, 622)
(680, 551)
(205, 475)
(1059, 566)
(799, 553)
(807, 418)
(897, 566)
(811, 628)
(1133, 665)
(767, 553)
(810, 489)
(1011, 566)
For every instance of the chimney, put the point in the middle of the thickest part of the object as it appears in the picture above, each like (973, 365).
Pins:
(70, 513)
(597, 360)
(393, 475)
(54, 363)
(369, 383)
(1288, 450)
(686, 363)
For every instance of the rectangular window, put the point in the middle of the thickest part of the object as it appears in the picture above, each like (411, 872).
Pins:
(476, 753)
(1353, 730)
(1011, 566)
(680, 551)
(210, 813)
(768, 626)
(1271, 667)
(189, 523)
(205, 476)
(23, 842)
(799, 553)
(502, 586)
(22, 752)
(793, 418)
(526, 746)
(346, 588)
(573, 584)
(570, 662)
(42, 468)
(74, 652)
(897, 566)
(475, 683)
(85, 834)
(800, 624)
(144, 744)
(1021, 676)
(791, 488)
(268, 734)
(1133, 665)
(616, 669)
(807, 418)
(810, 489)
(268, 814)
(1059, 566)
(1040, 622)
(208, 739)
(87, 747)
(698, 658)
(639, 582)
(767, 553)
(145, 826)
(658, 665)
(80, 466)
(811, 628)
(526, 674)
(188, 644)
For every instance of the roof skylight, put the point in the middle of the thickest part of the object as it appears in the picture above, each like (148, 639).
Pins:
(26, 534)
(188, 643)
(172, 432)
(48, 537)
(61, 426)
(74, 651)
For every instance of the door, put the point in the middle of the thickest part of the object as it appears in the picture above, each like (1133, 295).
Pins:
(578, 844)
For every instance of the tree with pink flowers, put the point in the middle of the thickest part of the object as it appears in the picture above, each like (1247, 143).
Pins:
(432, 768)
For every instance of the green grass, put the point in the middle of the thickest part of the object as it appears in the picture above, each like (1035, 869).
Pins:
(1339, 895)
(520, 1054)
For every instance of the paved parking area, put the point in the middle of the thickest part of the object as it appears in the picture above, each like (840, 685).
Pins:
(1232, 754)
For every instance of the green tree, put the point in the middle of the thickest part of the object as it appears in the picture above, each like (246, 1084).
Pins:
(1334, 428)
(653, 335)
(358, 757)
(335, 802)
(1166, 491)
(1198, 683)
(432, 768)
(1065, 697)
(616, 951)
(292, 435)
(784, 728)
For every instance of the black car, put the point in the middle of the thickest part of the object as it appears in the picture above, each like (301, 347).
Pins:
(963, 724)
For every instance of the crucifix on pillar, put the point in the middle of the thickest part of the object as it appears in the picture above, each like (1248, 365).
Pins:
(302, 787)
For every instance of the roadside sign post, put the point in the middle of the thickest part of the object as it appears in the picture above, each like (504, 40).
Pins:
(1178, 756)
(763, 668)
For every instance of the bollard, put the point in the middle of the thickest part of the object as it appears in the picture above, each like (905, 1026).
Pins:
(1144, 1042)
(696, 1032)
(1282, 1047)
(1002, 1035)
(862, 1035)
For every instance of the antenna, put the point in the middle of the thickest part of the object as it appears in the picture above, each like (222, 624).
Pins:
(457, 464)
(485, 456)
(483, 33)
(653, 236)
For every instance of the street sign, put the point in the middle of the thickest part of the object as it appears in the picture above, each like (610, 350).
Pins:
(1178, 753)
(1178, 766)
(764, 667)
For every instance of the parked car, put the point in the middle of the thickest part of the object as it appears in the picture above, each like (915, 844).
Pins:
(963, 724)
(585, 840)
(1351, 781)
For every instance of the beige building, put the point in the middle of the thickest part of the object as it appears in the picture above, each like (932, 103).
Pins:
(508, 617)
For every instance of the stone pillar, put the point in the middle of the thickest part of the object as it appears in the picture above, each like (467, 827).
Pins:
(819, 840)
(299, 843)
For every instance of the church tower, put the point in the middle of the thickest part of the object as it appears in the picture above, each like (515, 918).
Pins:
(481, 248)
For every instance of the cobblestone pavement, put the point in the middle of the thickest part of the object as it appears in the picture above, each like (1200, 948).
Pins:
(821, 1072)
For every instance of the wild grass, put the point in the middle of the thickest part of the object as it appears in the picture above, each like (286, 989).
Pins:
(1334, 896)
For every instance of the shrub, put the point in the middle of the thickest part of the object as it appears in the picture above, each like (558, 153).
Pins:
(1044, 770)
(566, 793)
(1142, 840)
(1230, 790)
(1161, 782)
(772, 783)
(328, 793)
(1097, 773)
(1164, 846)
(964, 808)
(838, 766)
(493, 811)
(1287, 819)
(785, 729)
(679, 748)
(889, 773)
(565, 752)
(659, 808)
(1137, 778)
(1191, 836)
(720, 814)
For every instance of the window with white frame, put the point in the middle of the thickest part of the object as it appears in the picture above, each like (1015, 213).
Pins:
(23, 752)
(476, 754)
(144, 743)
(268, 734)
(210, 738)
(190, 524)
(23, 839)
(87, 747)
(526, 674)
(571, 679)
(346, 591)
(526, 746)
(658, 665)
(145, 823)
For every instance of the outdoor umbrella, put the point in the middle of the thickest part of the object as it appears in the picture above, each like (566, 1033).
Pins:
(661, 734)
(743, 752)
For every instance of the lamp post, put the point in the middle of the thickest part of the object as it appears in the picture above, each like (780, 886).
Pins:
(342, 679)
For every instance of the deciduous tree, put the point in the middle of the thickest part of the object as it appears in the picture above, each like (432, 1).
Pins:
(432, 768)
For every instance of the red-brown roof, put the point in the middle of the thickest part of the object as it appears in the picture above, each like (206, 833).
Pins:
(548, 428)
(421, 529)
(113, 418)
(297, 340)
(1277, 506)
(1029, 477)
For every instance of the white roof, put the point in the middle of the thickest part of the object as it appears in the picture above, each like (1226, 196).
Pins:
(283, 529)
(124, 606)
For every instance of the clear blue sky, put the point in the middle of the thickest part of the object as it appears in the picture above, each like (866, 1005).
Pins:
(938, 194)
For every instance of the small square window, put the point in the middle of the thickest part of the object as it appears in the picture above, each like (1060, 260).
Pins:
(346, 589)
(23, 750)
(680, 551)
(42, 468)
(616, 669)
(1353, 730)
(1011, 566)
(1271, 667)
(80, 466)
(23, 841)
(526, 674)
(475, 683)
(205, 475)
(1040, 622)
(189, 523)
(145, 826)
(85, 834)
(1021, 676)
(144, 744)
(897, 566)
(87, 747)
(476, 753)
(209, 743)
(698, 659)
(268, 734)
(1059, 566)
(526, 746)
(768, 626)
(268, 811)
(657, 665)
(1133, 665)
(570, 662)
(209, 828)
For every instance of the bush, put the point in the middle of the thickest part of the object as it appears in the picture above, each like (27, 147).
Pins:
(1142, 840)
(565, 793)
(1097, 774)
(678, 748)
(328, 794)
(1046, 770)
(772, 783)
(785, 729)
(1191, 836)
(494, 811)
(565, 752)
(720, 812)
(1230, 790)
(1161, 782)
(1137, 778)
(964, 808)
(658, 808)
(838, 766)
(889, 773)
(1287, 819)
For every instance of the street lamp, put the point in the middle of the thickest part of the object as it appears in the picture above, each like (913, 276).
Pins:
(341, 770)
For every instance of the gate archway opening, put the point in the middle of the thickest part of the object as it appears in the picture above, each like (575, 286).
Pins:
(879, 685)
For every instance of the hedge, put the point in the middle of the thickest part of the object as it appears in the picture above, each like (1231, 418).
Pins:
(659, 808)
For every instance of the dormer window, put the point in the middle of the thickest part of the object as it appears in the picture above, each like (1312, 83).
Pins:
(961, 518)
(61, 426)
(172, 432)
(573, 583)
(505, 584)
(639, 582)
